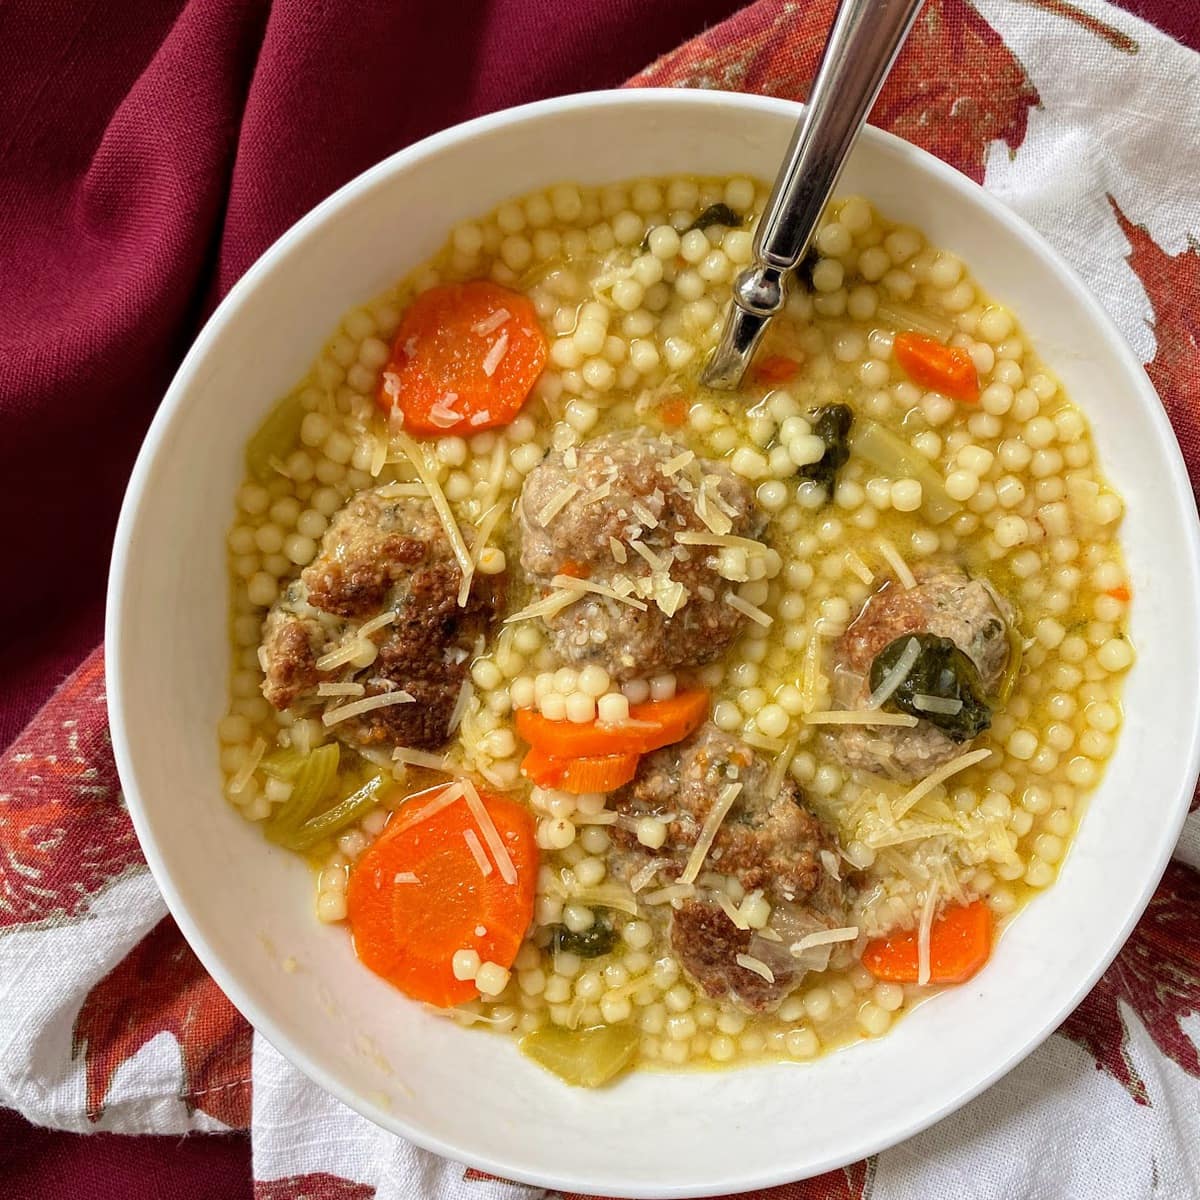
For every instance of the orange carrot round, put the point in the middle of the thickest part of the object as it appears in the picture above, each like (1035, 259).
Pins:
(418, 894)
(651, 725)
(946, 369)
(465, 358)
(775, 368)
(589, 773)
(673, 412)
(960, 941)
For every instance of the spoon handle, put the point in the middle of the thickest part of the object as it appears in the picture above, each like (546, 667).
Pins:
(863, 43)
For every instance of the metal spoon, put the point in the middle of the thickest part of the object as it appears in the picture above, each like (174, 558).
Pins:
(863, 43)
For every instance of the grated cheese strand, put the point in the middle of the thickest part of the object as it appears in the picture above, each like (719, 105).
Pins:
(441, 506)
(644, 876)
(896, 676)
(557, 503)
(339, 657)
(653, 561)
(750, 963)
(859, 568)
(422, 758)
(891, 556)
(477, 853)
(239, 781)
(355, 708)
(492, 323)
(937, 704)
(676, 891)
(495, 355)
(928, 911)
(732, 911)
(460, 705)
(747, 609)
(376, 623)
(689, 537)
(405, 877)
(547, 606)
(961, 763)
(824, 937)
(618, 551)
(676, 464)
(708, 832)
(859, 716)
(450, 796)
(340, 689)
(586, 585)
(491, 835)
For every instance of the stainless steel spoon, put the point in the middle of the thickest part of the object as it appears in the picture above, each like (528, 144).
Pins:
(863, 43)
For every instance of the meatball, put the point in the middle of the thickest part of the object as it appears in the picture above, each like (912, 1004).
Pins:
(626, 497)
(381, 555)
(946, 602)
(769, 841)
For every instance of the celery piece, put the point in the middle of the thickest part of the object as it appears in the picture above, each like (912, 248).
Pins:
(895, 457)
(275, 438)
(311, 786)
(900, 316)
(283, 764)
(583, 1057)
(344, 813)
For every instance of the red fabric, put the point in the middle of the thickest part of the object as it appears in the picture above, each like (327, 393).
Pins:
(148, 153)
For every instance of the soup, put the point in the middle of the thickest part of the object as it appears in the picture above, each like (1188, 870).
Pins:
(656, 725)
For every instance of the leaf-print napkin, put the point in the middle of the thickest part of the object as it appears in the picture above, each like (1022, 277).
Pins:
(1084, 120)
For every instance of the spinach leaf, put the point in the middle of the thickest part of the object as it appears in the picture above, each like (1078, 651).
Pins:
(716, 214)
(942, 671)
(599, 938)
(832, 424)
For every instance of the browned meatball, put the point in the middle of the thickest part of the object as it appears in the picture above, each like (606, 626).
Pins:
(381, 554)
(767, 842)
(945, 602)
(608, 511)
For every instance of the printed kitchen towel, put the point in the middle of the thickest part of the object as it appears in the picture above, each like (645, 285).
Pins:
(1082, 118)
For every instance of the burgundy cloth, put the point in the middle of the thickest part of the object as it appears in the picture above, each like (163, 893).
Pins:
(149, 152)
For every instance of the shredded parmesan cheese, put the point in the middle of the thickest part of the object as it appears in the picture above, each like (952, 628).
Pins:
(618, 551)
(379, 453)
(937, 704)
(655, 563)
(239, 781)
(339, 657)
(708, 832)
(676, 464)
(495, 355)
(859, 568)
(928, 911)
(644, 876)
(607, 895)
(356, 707)
(897, 675)
(830, 863)
(476, 849)
(643, 514)
(492, 323)
(857, 716)
(547, 606)
(340, 689)
(442, 507)
(422, 758)
(961, 763)
(732, 911)
(824, 937)
(450, 796)
(586, 585)
(491, 835)
(557, 503)
(891, 556)
(460, 705)
(750, 963)
(747, 609)
(667, 895)
(405, 877)
(688, 537)
(443, 414)
(376, 623)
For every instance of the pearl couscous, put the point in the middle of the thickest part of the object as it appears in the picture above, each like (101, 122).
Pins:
(656, 725)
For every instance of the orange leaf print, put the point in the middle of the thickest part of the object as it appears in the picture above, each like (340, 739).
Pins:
(955, 89)
(1157, 975)
(160, 986)
(64, 832)
(1172, 282)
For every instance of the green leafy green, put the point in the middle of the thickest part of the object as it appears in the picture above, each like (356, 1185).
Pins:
(599, 938)
(716, 214)
(942, 671)
(832, 424)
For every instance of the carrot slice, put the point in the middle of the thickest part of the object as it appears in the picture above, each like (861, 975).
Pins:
(673, 412)
(465, 358)
(590, 773)
(775, 368)
(1120, 592)
(417, 895)
(946, 369)
(651, 725)
(959, 944)
(574, 568)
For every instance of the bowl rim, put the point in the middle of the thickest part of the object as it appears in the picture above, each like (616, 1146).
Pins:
(117, 636)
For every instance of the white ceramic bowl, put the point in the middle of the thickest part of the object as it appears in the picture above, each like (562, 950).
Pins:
(471, 1096)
